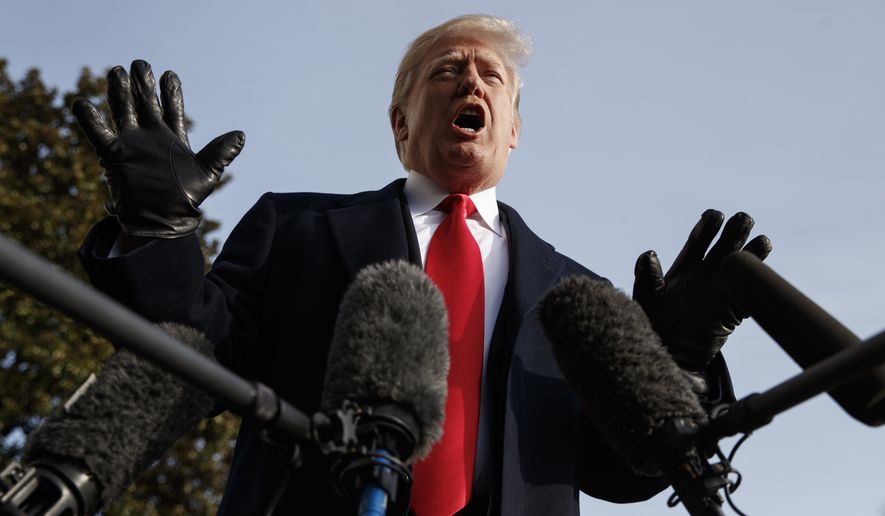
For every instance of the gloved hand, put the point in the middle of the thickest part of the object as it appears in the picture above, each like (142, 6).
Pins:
(689, 307)
(155, 180)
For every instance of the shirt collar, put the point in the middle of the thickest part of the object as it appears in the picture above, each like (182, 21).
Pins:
(423, 195)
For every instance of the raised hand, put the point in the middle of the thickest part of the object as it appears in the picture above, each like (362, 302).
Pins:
(689, 307)
(155, 180)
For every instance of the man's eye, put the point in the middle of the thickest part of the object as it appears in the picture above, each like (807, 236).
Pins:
(445, 72)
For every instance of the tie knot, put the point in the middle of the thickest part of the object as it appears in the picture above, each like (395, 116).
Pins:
(457, 203)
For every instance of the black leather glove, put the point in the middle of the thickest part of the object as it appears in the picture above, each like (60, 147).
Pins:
(156, 181)
(689, 307)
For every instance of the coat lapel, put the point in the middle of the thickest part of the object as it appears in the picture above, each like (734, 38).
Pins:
(534, 267)
(370, 228)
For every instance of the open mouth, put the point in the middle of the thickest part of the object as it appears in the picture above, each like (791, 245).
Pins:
(470, 120)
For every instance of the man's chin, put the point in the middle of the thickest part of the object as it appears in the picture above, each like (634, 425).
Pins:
(466, 155)
(467, 179)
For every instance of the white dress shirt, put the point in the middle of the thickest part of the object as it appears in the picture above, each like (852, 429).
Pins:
(423, 196)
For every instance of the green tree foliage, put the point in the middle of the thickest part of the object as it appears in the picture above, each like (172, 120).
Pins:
(51, 193)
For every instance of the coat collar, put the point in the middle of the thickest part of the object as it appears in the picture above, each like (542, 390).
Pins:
(355, 228)
(534, 265)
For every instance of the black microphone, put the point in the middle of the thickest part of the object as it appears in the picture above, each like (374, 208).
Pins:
(639, 399)
(116, 425)
(804, 330)
(389, 361)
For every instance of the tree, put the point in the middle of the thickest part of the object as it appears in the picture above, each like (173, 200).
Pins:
(51, 193)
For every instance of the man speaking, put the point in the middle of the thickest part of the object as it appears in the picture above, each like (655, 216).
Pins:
(515, 440)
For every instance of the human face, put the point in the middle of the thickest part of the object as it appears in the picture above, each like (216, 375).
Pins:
(458, 124)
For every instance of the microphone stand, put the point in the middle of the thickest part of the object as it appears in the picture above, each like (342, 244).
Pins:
(758, 409)
(697, 482)
(850, 360)
(807, 333)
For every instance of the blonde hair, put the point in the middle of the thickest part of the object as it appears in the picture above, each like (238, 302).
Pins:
(514, 46)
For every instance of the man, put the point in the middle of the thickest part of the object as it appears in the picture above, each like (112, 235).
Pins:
(271, 298)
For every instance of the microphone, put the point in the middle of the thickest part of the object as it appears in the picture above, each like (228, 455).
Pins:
(639, 399)
(389, 362)
(115, 426)
(804, 330)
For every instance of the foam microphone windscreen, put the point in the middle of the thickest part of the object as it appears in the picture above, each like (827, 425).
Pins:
(390, 344)
(126, 419)
(613, 360)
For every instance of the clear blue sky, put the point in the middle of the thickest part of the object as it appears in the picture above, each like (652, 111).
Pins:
(638, 115)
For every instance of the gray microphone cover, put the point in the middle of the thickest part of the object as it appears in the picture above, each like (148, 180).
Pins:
(391, 345)
(626, 380)
(125, 419)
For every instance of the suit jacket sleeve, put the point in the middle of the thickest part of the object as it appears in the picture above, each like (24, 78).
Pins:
(164, 280)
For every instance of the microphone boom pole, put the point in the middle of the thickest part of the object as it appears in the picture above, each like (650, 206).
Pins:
(44, 281)
(758, 409)
(811, 336)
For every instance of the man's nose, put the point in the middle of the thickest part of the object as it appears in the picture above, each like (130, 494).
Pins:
(471, 84)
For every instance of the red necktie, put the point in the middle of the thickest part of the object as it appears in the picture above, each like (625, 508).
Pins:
(443, 481)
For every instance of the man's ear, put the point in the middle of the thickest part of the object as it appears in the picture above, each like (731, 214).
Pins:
(399, 125)
(514, 137)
